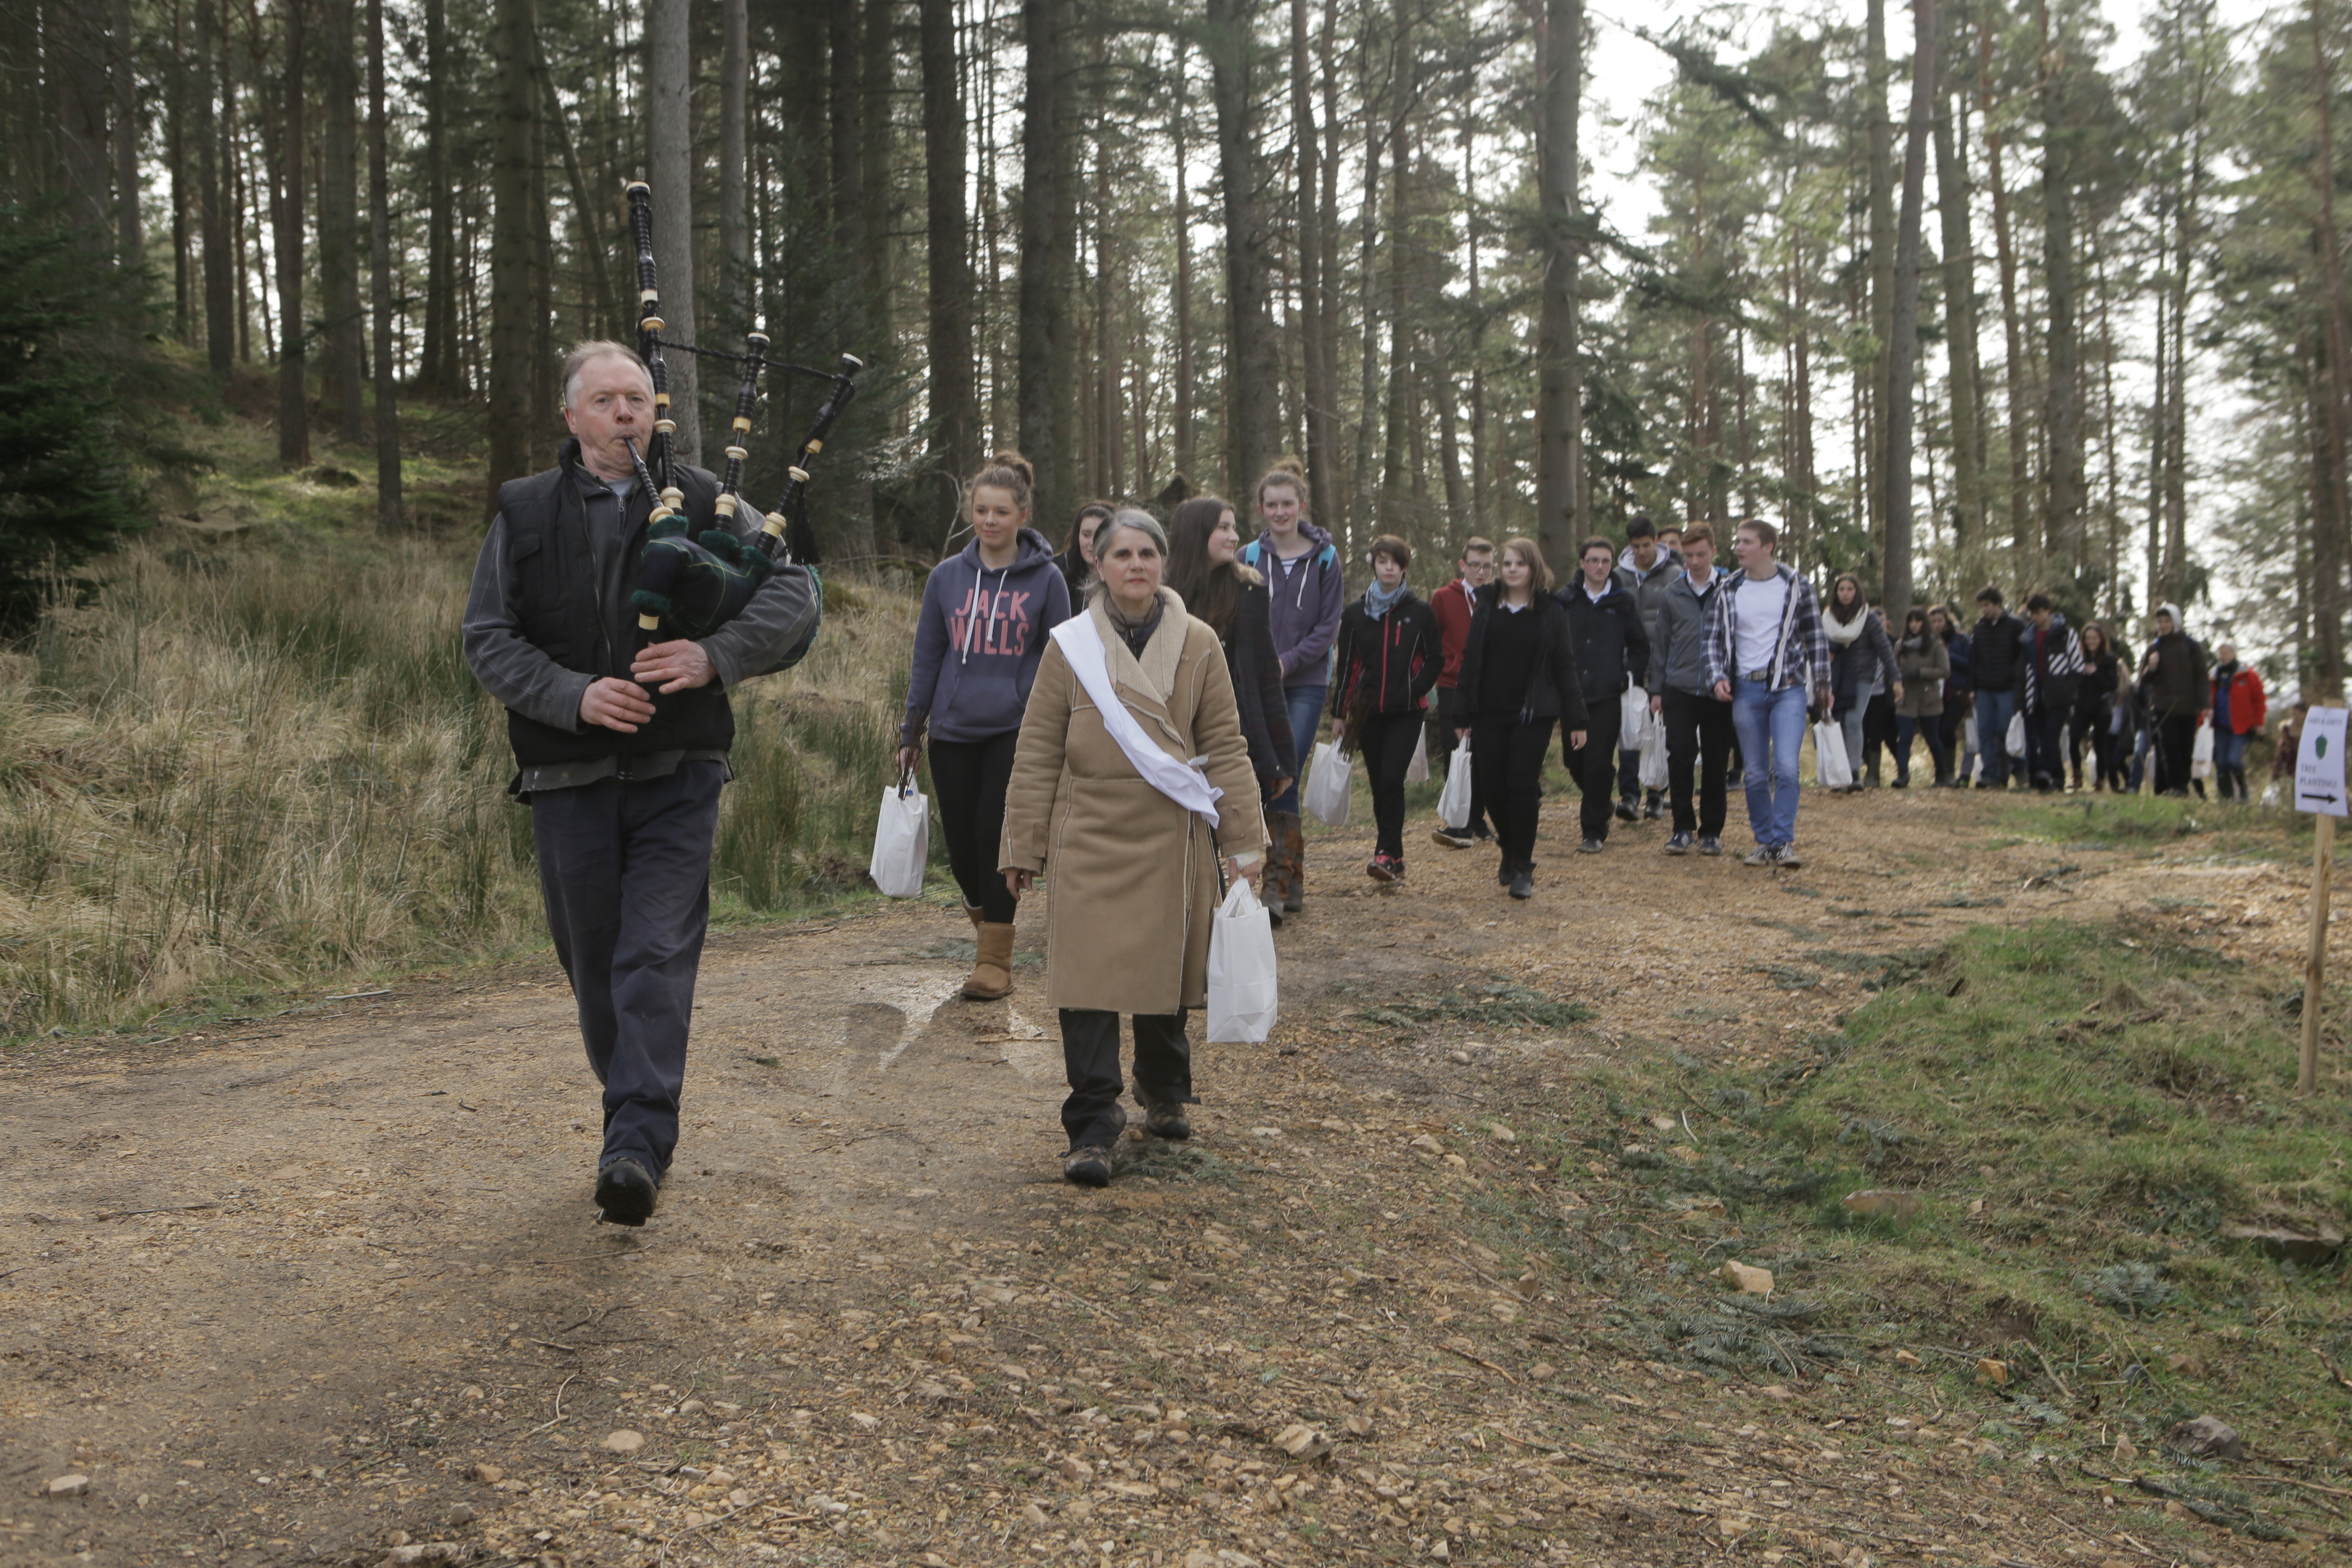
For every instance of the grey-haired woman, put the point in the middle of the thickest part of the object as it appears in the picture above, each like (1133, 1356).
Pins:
(1130, 778)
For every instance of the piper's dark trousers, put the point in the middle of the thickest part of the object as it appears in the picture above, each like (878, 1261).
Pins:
(1163, 1070)
(625, 868)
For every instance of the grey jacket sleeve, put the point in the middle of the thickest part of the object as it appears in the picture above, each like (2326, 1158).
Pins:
(511, 668)
(756, 641)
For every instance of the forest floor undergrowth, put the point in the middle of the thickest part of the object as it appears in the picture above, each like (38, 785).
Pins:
(1438, 1279)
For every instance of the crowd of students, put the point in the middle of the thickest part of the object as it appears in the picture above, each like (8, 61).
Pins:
(1137, 711)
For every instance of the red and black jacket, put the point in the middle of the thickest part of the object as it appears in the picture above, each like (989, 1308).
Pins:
(1386, 665)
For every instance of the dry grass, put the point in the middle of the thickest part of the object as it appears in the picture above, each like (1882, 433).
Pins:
(241, 769)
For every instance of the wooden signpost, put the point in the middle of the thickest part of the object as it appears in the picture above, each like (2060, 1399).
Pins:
(2319, 787)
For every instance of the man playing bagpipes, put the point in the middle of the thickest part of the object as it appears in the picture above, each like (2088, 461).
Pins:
(621, 748)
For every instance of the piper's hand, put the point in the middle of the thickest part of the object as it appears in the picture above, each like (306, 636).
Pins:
(908, 757)
(1723, 692)
(1248, 873)
(1017, 881)
(615, 704)
(673, 666)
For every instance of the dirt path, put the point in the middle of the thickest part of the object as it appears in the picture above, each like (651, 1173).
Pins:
(324, 1285)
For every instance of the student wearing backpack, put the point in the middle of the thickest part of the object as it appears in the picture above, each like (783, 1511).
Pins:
(986, 612)
(1390, 655)
(1306, 589)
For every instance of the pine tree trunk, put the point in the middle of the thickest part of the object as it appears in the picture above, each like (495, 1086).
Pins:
(950, 273)
(286, 226)
(387, 395)
(596, 257)
(130, 241)
(1880, 137)
(514, 103)
(1322, 462)
(2013, 369)
(1045, 256)
(1902, 347)
(2063, 390)
(734, 165)
(176, 117)
(439, 374)
(1186, 458)
(339, 230)
(878, 71)
(1560, 461)
(669, 162)
(212, 194)
(2331, 520)
(1401, 326)
(77, 53)
(843, 88)
(1251, 419)
(1959, 332)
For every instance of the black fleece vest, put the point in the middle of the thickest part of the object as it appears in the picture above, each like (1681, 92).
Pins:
(559, 602)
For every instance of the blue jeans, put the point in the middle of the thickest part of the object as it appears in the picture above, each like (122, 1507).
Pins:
(2229, 750)
(1994, 711)
(1306, 723)
(1771, 727)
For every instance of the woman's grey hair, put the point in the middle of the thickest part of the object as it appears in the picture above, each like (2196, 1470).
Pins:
(1143, 523)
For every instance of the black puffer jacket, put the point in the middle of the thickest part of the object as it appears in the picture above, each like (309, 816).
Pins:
(1553, 691)
(1388, 664)
(1607, 635)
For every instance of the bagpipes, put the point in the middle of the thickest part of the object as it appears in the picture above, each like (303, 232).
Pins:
(697, 584)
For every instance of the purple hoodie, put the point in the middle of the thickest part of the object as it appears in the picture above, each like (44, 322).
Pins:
(1307, 596)
(979, 639)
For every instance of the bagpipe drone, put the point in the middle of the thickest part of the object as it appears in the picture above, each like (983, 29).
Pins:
(696, 585)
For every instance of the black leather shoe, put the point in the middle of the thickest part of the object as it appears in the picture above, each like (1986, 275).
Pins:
(1625, 812)
(1523, 884)
(626, 1192)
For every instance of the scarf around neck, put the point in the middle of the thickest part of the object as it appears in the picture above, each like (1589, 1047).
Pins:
(1377, 603)
(1844, 632)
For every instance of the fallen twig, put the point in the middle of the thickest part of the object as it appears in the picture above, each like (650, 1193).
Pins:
(1479, 1360)
(167, 1208)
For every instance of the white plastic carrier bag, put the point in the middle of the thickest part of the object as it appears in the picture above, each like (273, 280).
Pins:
(1831, 768)
(1417, 770)
(902, 842)
(2016, 737)
(1653, 753)
(2200, 758)
(1453, 800)
(1331, 785)
(1243, 995)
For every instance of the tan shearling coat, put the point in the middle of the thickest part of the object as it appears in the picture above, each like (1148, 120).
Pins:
(1132, 875)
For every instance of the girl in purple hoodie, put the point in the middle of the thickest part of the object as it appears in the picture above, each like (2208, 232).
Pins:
(986, 612)
(1307, 588)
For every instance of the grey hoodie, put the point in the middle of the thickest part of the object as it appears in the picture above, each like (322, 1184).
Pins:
(979, 640)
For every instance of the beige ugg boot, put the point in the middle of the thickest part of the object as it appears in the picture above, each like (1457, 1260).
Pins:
(991, 968)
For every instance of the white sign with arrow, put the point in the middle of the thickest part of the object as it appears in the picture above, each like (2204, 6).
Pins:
(2319, 765)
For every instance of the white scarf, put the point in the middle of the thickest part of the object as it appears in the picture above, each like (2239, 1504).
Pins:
(1082, 645)
(1843, 632)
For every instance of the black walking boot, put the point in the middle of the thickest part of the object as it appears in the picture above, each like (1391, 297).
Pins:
(626, 1192)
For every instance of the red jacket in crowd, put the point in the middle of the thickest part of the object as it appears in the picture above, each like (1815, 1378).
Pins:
(1451, 604)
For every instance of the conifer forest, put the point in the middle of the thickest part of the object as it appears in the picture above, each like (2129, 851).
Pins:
(2042, 292)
